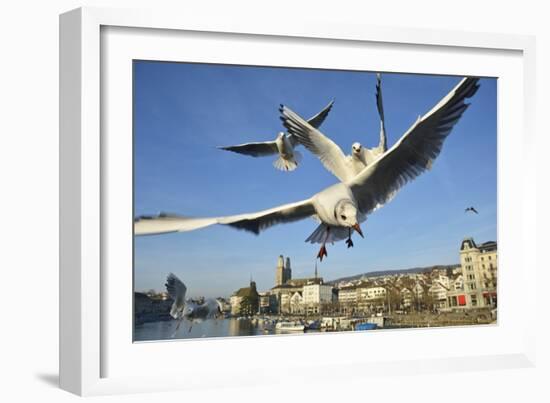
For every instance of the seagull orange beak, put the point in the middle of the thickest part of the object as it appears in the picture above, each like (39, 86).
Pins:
(357, 228)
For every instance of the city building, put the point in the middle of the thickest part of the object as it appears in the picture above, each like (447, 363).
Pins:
(370, 297)
(438, 292)
(347, 298)
(151, 308)
(268, 302)
(296, 303)
(479, 276)
(142, 303)
(407, 298)
(479, 270)
(298, 295)
(444, 288)
(316, 295)
(245, 301)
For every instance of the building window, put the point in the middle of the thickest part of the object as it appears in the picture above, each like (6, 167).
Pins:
(473, 298)
(489, 257)
(481, 257)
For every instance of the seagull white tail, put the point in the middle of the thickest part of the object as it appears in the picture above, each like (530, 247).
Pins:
(288, 165)
(320, 235)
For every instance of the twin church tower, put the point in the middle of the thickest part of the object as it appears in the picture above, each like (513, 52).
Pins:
(283, 273)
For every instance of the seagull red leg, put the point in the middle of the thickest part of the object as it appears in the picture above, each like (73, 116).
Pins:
(323, 250)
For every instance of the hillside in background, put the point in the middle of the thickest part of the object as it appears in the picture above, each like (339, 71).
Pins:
(393, 272)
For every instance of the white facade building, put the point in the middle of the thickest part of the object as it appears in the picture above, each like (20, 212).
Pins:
(347, 295)
(371, 293)
(315, 295)
(479, 271)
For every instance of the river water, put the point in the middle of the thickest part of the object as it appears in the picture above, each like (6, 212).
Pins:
(166, 330)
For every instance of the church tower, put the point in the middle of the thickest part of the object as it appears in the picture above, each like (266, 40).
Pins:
(288, 271)
(283, 273)
(280, 271)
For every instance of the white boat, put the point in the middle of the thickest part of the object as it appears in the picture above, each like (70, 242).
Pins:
(290, 326)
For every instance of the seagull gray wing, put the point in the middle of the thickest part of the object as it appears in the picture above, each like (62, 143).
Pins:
(258, 149)
(252, 222)
(382, 145)
(372, 154)
(211, 308)
(414, 152)
(324, 148)
(317, 120)
(177, 290)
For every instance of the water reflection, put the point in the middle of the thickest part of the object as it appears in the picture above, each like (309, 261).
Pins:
(164, 330)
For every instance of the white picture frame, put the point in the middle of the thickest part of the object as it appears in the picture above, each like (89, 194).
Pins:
(89, 317)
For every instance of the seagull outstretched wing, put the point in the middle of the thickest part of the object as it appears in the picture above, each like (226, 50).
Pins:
(324, 148)
(266, 148)
(257, 149)
(317, 120)
(211, 308)
(253, 222)
(177, 290)
(414, 152)
(382, 145)
(372, 154)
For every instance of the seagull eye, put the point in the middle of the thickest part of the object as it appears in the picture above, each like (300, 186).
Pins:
(343, 217)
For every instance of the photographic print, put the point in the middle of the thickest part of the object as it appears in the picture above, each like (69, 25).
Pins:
(273, 200)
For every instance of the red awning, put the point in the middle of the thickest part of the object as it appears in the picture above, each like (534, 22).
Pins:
(461, 300)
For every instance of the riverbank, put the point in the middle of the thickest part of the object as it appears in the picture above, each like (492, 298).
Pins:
(266, 325)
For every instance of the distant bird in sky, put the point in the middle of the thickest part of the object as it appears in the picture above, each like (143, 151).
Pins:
(473, 210)
(341, 207)
(188, 309)
(283, 145)
(333, 158)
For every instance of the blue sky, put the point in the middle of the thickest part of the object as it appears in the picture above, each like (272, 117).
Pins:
(183, 111)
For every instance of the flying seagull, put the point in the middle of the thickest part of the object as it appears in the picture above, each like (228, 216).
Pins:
(188, 309)
(340, 208)
(283, 145)
(473, 210)
(333, 158)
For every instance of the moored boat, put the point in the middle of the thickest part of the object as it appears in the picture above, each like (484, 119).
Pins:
(290, 326)
(365, 326)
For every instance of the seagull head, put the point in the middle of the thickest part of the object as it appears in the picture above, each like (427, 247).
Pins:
(346, 215)
(356, 149)
(280, 135)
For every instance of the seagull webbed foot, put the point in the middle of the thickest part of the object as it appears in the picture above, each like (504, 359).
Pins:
(322, 252)
(349, 242)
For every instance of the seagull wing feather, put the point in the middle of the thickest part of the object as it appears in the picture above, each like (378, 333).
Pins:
(258, 149)
(324, 148)
(209, 309)
(382, 145)
(317, 120)
(414, 152)
(252, 222)
(177, 290)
